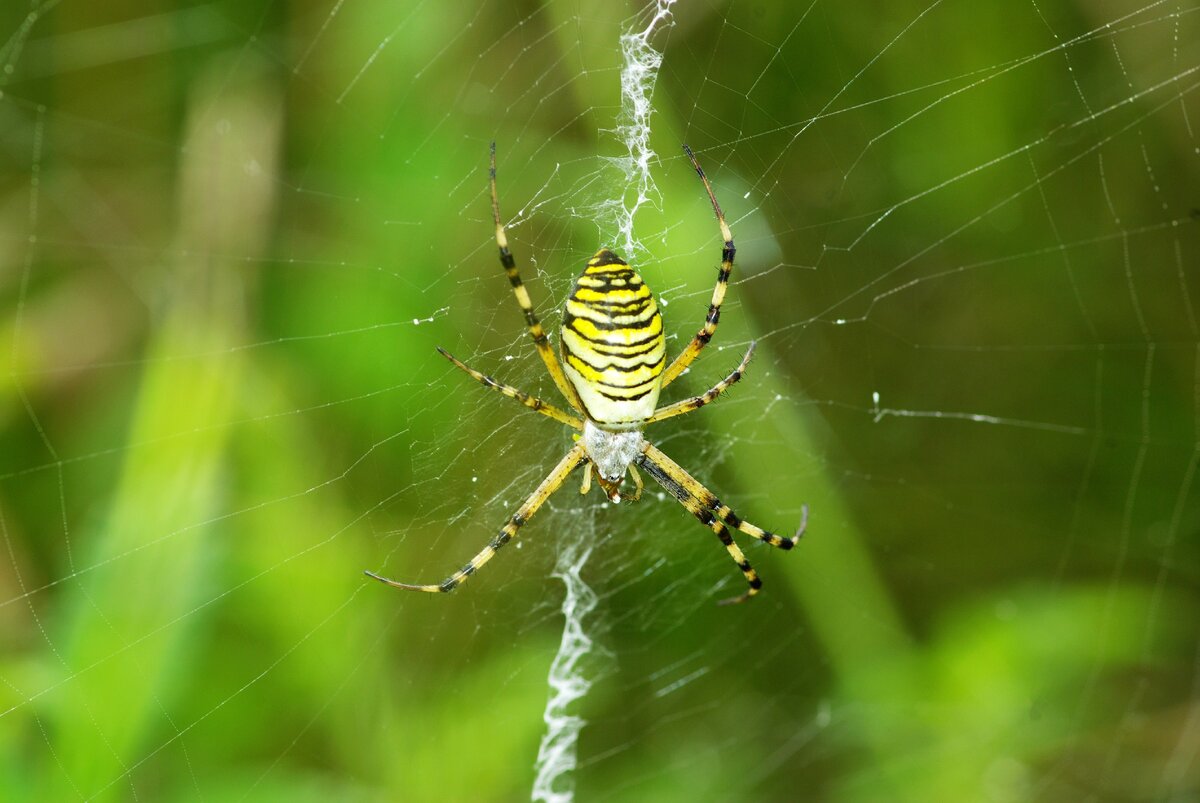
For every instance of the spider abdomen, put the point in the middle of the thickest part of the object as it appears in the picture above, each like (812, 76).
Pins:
(612, 343)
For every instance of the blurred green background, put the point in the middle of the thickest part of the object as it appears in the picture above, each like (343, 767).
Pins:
(232, 233)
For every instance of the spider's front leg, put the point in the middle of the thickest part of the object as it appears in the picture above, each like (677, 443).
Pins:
(693, 349)
(637, 483)
(540, 341)
(633, 472)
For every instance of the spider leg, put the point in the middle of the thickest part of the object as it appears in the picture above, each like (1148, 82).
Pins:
(532, 402)
(510, 528)
(638, 485)
(709, 501)
(702, 504)
(696, 402)
(586, 485)
(689, 354)
(707, 518)
(540, 341)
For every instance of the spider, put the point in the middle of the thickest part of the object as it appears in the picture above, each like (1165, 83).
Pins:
(612, 371)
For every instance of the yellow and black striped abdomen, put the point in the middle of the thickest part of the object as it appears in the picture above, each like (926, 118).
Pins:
(612, 343)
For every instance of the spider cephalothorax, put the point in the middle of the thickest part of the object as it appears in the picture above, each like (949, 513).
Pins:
(612, 453)
(612, 372)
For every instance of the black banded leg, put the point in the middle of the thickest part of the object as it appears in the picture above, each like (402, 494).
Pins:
(709, 519)
(696, 402)
(532, 402)
(510, 528)
(708, 500)
(743, 564)
(540, 341)
(689, 354)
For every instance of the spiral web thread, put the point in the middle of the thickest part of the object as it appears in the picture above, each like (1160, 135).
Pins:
(569, 677)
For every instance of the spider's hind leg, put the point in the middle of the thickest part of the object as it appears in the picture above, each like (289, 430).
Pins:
(549, 485)
(712, 513)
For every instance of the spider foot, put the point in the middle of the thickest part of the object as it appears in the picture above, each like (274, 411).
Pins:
(408, 586)
(803, 525)
(738, 600)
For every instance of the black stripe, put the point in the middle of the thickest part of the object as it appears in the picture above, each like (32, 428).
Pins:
(604, 321)
(611, 309)
(604, 281)
(618, 386)
(605, 275)
(635, 397)
(654, 338)
(604, 366)
(614, 349)
(606, 326)
(614, 385)
(604, 288)
(626, 307)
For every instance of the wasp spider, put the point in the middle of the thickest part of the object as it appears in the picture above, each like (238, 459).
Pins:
(612, 371)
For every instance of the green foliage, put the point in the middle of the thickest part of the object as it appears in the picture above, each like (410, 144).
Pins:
(232, 234)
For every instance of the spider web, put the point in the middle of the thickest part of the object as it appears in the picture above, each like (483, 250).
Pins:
(231, 235)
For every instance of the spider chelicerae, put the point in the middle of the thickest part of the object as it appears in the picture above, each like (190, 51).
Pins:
(612, 372)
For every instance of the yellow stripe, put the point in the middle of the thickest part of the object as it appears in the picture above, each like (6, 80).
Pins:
(592, 281)
(617, 336)
(603, 362)
(612, 378)
(609, 350)
(602, 317)
(586, 294)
